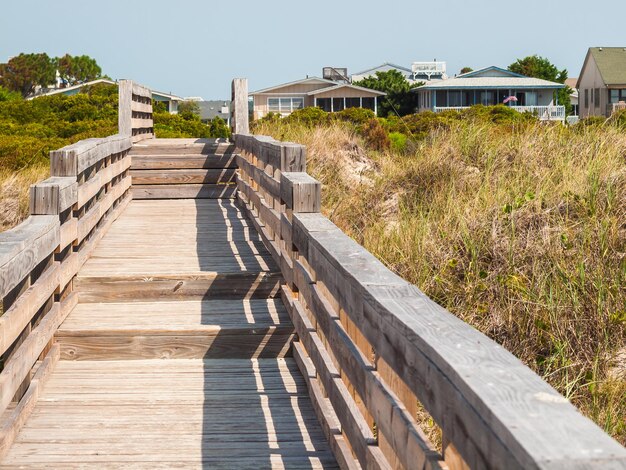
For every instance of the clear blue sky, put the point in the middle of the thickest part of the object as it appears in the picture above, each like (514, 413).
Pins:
(195, 47)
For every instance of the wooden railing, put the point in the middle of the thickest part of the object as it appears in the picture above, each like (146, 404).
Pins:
(375, 350)
(135, 111)
(69, 213)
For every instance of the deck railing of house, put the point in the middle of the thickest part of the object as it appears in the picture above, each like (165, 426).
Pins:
(615, 107)
(544, 113)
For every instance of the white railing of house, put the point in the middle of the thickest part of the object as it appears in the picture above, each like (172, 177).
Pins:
(545, 113)
(615, 107)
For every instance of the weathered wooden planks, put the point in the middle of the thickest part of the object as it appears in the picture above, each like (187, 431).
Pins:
(182, 176)
(53, 195)
(189, 413)
(24, 247)
(183, 329)
(182, 161)
(184, 191)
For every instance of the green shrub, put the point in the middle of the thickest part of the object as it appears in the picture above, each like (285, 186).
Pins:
(219, 128)
(358, 116)
(309, 116)
(398, 142)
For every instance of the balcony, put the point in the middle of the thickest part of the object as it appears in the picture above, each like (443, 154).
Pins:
(544, 113)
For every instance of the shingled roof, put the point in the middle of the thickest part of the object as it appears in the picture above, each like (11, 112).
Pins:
(611, 62)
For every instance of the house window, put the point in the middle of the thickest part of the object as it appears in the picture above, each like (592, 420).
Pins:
(353, 102)
(486, 98)
(324, 104)
(284, 105)
(597, 97)
(455, 98)
(337, 104)
(368, 103)
(586, 97)
(617, 96)
(273, 105)
(442, 98)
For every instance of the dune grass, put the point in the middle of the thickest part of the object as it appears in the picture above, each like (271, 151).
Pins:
(518, 230)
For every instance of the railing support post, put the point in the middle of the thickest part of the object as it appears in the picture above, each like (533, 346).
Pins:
(125, 114)
(239, 117)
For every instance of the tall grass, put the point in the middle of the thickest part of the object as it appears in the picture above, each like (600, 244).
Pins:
(518, 230)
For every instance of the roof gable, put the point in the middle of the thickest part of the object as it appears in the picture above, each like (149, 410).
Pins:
(611, 63)
(296, 82)
(491, 71)
(381, 66)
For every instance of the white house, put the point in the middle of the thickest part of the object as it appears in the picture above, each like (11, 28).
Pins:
(490, 86)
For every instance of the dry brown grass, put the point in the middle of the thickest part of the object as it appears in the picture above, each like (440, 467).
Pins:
(520, 232)
(14, 189)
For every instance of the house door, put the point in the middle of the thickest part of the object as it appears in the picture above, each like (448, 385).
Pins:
(521, 98)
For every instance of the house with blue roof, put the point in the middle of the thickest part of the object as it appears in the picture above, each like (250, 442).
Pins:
(490, 86)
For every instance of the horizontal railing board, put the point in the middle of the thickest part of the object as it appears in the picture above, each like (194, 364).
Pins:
(17, 418)
(494, 409)
(23, 359)
(142, 107)
(19, 315)
(392, 419)
(352, 421)
(24, 247)
(76, 158)
(91, 187)
(324, 410)
(173, 162)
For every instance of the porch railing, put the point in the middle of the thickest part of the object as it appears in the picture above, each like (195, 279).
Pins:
(545, 113)
(615, 107)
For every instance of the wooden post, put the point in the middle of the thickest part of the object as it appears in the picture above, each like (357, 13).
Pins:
(125, 114)
(239, 116)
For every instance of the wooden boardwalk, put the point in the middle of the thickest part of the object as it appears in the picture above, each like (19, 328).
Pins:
(183, 303)
(177, 353)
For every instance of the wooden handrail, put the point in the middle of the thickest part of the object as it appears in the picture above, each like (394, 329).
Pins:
(69, 213)
(371, 345)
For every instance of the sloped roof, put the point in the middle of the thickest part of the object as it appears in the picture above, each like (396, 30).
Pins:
(611, 62)
(490, 71)
(296, 82)
(56, 91)
(95, 82)
(386, 64)
(345, 85)
(491, 77)
(212, 108)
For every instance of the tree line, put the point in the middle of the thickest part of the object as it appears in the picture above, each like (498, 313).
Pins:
(26, 73)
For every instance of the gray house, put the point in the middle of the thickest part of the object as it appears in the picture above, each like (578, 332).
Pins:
(602, 82)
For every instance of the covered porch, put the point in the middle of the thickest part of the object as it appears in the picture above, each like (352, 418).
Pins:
(540, 101)
(343, 97)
